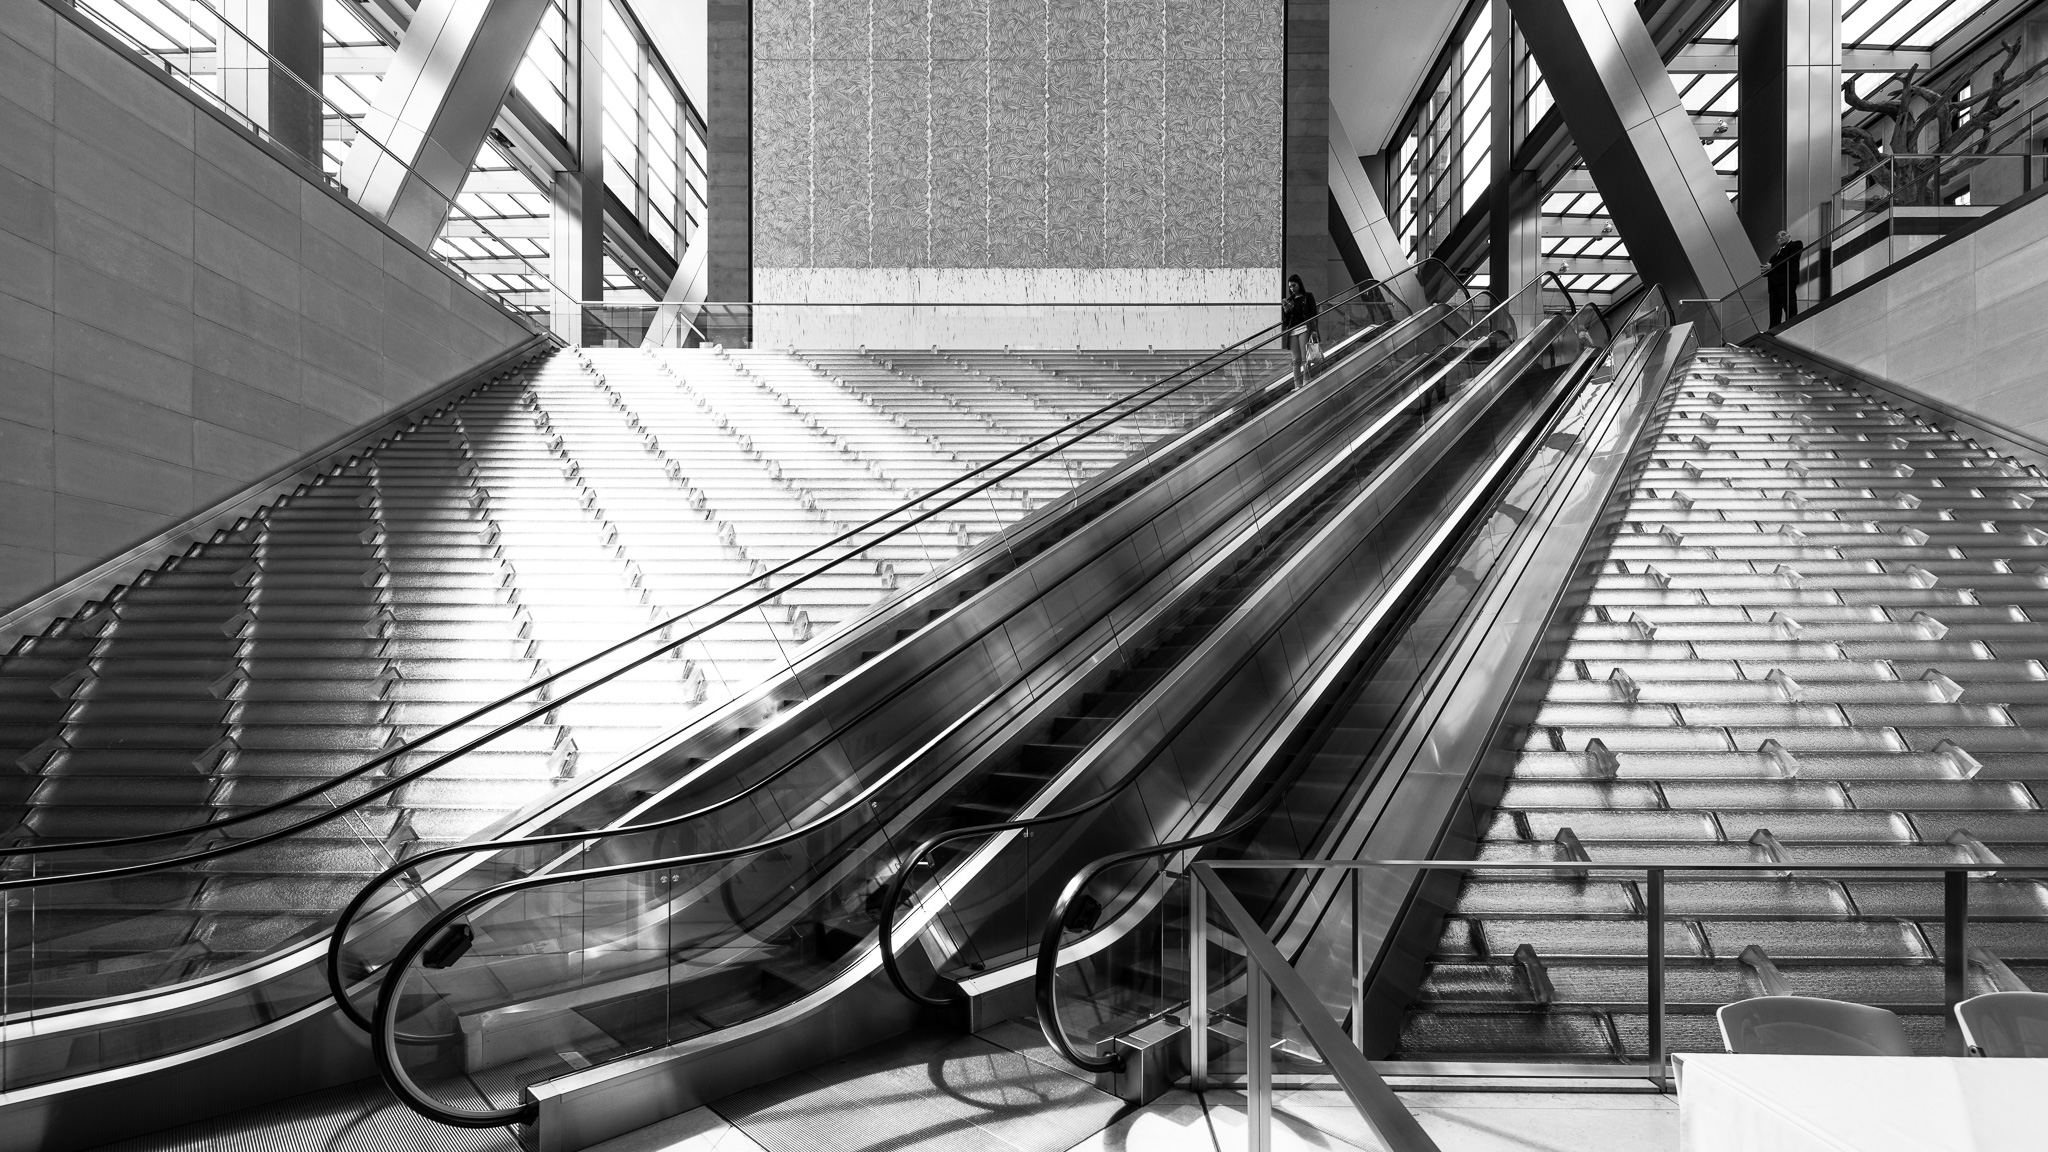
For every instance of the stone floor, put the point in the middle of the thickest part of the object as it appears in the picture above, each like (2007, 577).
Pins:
(1306, 1120)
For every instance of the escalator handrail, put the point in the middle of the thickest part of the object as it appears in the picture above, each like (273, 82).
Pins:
(1045, 992)
(396, 780)
(902, 878)
(385, 1037)
(384, 1032)
(338, 981)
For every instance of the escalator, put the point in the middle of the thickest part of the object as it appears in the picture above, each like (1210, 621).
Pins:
(193, 1007)
(1501, 507)
(1765, 658)
(582, 983)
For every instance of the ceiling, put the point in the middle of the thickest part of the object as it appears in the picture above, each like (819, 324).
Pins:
(1379, 50)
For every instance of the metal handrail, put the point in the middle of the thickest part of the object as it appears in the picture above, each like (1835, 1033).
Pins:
(1955, 876)
(1045, 978)
(900, 882)
(1267, 971)
(1569, 304)
(338, 981)
(386, 1037)
(1232, 353)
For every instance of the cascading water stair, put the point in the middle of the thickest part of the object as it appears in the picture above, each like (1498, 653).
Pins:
(543, 515)
(1819, 637)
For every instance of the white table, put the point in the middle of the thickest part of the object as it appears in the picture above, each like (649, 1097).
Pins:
(1861, 1104)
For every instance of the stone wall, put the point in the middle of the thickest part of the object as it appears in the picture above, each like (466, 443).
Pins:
(1965, 324)
(1047, 147)
(182, 311)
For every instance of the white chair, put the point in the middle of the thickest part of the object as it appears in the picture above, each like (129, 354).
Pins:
(2005, 1024)
(1810, 1026)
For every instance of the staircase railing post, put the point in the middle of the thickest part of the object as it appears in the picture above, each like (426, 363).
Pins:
(1955, 931)
(1198, 983)
(1258, 1058)
(1358, 960)
(1654, 906)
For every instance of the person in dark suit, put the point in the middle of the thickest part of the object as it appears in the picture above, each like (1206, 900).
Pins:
(1298, 319)
(1784, 279)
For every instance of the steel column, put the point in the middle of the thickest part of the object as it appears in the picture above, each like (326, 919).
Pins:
(578, 272)
(1515, 212)
(271, 72)
(1639, 144)
(1789, 60)
(435, 105)
(298, 48)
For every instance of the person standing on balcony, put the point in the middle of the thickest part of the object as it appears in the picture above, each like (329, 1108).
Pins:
(1784, 279)
(1298, 319)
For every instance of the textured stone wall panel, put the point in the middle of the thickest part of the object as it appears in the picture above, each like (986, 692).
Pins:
(782, 162)
(1018, 133)
(902, 156)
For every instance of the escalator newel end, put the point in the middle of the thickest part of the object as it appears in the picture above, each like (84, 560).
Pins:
(452, 945)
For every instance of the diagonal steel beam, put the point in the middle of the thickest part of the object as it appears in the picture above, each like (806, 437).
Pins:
(1366, 217)
(447, 80)
(1639, 144)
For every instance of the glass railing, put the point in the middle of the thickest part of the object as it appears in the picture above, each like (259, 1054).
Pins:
(1677, 942)
(1881, 216)
(1684, 959)
(119, 921)
(665, 934)
(1131, 325)
(1102, 974)
(214, 87)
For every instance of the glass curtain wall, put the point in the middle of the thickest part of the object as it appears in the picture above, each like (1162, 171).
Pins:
(500, 234)
(1441, 153)
(1438, 166)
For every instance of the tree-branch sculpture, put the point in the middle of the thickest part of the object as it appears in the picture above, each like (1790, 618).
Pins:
(1937, 133)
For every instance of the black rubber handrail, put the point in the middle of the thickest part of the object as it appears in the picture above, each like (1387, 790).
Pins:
(901, 880)
(1209, 364)
(384, 1033)
(1045, 991)
(338, 980)
(386, 1037)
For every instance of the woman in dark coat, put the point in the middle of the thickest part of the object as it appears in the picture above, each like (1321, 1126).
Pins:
(1298, 319)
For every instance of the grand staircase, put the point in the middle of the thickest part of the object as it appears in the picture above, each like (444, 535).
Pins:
(1818, 638)
(546, 514)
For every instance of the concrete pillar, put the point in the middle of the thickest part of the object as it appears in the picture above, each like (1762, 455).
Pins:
(1515, 202)
(1306, 248)
(578, 272)
(1789, 65)
(728, 237)
(436, 103)
(1639, 145)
